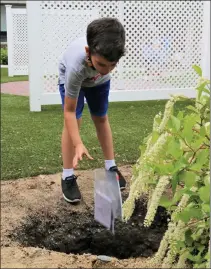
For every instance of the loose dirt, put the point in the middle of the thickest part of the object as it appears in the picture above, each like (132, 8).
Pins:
(41, 230)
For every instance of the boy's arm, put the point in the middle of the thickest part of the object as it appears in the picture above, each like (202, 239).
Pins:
(71, 121)
(73, 85)
(73, 81)
(72, 127)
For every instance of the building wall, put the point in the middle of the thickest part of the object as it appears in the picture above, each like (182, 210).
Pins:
(15, 4)
(3, 19)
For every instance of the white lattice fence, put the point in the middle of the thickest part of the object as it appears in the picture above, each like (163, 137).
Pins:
(69, 26)
(164, 39)
(17, 41)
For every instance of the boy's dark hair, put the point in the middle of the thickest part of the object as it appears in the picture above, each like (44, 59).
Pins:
(106, 37)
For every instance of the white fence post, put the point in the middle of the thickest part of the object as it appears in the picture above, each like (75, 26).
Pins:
(205, 65)
(9, 39)
(35, 54)
(121, 82)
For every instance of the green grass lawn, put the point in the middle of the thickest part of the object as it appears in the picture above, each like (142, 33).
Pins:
(30, 141)
(5, 78)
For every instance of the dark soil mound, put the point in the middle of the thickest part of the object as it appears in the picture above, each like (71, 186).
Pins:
(79, 233)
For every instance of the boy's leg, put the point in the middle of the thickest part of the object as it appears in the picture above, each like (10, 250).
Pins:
(70, 189)
(68, 148)
(97, 99)
(104, 135)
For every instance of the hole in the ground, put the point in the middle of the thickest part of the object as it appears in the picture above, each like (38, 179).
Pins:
(79, 233)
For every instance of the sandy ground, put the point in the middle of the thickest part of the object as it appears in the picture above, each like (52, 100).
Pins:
(19, 197)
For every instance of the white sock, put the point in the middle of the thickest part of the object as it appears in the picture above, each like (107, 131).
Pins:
(109, 164)
(67, 173)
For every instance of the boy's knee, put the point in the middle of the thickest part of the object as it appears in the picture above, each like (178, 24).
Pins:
(100, 119)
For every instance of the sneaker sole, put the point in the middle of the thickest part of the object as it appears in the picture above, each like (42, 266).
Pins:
(123, 188)
(71, 201)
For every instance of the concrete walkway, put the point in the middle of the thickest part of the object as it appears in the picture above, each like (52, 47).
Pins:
(16, 88)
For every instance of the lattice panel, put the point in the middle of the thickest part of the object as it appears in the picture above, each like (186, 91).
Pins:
(68, 26)
(63, 21)
(20, 45)
(163, 40)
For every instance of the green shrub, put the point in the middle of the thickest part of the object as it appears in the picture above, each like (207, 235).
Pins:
(175, 156)
(4, 56)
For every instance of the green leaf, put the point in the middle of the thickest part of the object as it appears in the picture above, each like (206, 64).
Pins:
(189, 213)
(202, 88)
(204, 194)
(201, 248)
(180, 245)
(181, 163)
(183, 217)
(197, 234)
(202, 131)
(202, 109)
(187, 132)
(207, 256)
(155, 136)
(175, 123)
(165, 202)
(196, 167)
(165, 168)
(189, 178)
(207, 128)
(188, 155)
(192, 108)
(196, 259)
(178, 195)
(189, 121)
(197, 143)
(203, 156)
(206, 208)
(207, 91)
(206, 100)
(174, 182)
(174, 149)
(201, 265)
(197, 70)
(180, 115)
(207, 180)
(178, 166)
(194, 213)
(169, 124)
(203, 225)
(188, 238)
(192, 194)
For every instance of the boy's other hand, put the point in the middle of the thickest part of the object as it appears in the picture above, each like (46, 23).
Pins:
(80, 150)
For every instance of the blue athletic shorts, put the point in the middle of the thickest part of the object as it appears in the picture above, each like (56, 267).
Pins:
(96, 97)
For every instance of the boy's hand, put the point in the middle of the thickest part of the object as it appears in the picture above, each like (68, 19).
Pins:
(80, 150)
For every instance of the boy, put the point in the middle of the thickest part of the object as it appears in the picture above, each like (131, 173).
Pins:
(84, 72)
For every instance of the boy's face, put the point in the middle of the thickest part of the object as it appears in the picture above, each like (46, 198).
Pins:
(102, 65)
